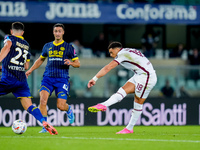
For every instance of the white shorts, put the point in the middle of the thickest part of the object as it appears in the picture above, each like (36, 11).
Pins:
(143, 84)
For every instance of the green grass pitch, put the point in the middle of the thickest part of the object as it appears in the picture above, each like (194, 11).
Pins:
(103, 138)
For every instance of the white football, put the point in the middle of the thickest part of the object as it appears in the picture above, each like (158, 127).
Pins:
(19, 126)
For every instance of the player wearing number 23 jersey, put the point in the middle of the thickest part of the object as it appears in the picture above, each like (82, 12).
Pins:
(13, 63)
(15, 59)
(13, 77)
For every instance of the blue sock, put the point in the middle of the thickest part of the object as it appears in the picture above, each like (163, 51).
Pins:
(45, 118)
(36, 113)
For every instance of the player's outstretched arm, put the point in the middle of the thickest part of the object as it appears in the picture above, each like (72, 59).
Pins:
(102, 73)
(106, 69)
(36, 65)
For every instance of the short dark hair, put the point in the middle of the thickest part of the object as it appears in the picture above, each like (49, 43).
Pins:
(59, 25)
(17, 26)
(114, 45)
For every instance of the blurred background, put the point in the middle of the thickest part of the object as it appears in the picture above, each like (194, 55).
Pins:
(166, 31)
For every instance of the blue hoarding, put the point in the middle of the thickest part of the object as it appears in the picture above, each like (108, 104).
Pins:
(120, 13)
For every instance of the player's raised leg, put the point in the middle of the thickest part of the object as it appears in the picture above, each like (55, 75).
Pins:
(96, 108)
(115, 98)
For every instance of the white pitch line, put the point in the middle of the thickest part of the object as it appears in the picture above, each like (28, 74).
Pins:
(113, 139)
(128, 139)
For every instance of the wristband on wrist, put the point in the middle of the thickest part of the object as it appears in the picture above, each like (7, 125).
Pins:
(95, 78)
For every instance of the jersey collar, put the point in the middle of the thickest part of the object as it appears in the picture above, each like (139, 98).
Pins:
(21, 37)
(58, 43)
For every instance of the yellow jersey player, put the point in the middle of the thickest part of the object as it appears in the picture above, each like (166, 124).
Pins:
(60, 55)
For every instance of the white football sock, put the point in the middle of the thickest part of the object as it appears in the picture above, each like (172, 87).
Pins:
(137, 111)
(115, 98)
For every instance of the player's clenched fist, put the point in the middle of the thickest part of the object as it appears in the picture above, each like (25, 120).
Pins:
(91, 83)
(67, 62)
(28, 73)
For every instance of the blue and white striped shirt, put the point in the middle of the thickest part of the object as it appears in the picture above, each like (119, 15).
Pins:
(13, 63)
(56, 53)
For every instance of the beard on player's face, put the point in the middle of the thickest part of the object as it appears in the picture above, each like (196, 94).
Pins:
(58, 37)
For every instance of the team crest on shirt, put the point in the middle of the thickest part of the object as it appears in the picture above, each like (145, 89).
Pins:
(62, 48)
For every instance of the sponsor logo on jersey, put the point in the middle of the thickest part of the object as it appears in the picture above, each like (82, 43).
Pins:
(56, 59)
(62, 48)
(16, 68)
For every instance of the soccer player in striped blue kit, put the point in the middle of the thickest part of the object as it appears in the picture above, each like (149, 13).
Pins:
(56, 75)
(15, 57)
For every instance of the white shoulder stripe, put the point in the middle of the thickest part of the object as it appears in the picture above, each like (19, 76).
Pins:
(6, 40)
